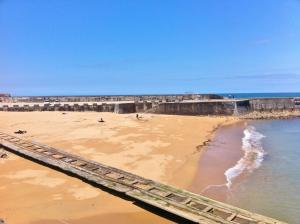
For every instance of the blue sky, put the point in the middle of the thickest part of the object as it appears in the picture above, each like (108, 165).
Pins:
(62, 47)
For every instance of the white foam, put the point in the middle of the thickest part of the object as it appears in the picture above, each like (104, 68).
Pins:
(253, 155)
(213, 186)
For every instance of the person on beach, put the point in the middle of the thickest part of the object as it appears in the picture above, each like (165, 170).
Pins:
(20, 132)
(137, 116)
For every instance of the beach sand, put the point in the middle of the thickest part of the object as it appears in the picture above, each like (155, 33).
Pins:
(160, 147)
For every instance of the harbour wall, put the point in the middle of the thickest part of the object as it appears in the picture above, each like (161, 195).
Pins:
(275, 104)
(186, 107)
(114, 98)
(122, 108)
(214, 107)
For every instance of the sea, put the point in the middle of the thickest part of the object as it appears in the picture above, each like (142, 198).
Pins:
(271, 168)
(255, 165)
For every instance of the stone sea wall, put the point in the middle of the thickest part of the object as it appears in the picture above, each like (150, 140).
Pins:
(201, 108)
(275, 104)
(135, 98)
(273, 108)
(121, 108)
(179, 107)
(213, 107)
(17, 107)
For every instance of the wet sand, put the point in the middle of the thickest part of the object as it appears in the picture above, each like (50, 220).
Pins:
(221, 154)
(160, 147)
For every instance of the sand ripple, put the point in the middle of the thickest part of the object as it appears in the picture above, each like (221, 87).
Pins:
(83, 193)
(35, 177)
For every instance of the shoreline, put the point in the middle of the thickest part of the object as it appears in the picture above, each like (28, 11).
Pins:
(216, 159)
(234, 153)
(262, 177)
(166, 142)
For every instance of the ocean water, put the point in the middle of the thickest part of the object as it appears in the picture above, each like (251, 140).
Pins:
(252, 158)
(270, 170)
(260, 95)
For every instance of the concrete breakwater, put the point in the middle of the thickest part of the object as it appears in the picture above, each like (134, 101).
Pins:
(204, 107)
(238, 107)
(211, 107)
(123, 107)
(112, 98)
(174, 106)
(274, 104)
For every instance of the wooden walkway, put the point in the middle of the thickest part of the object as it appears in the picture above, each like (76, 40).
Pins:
(167, 198)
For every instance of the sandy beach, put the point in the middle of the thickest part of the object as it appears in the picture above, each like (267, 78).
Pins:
(160, 147)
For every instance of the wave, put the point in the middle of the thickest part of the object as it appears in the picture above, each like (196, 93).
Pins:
(253, 155)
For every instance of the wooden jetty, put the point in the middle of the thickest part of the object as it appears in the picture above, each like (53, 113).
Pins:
(177, 202)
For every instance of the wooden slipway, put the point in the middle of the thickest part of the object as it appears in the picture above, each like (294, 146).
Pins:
(174, 201)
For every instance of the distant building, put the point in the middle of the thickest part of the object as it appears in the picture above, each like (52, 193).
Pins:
(4, 97)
